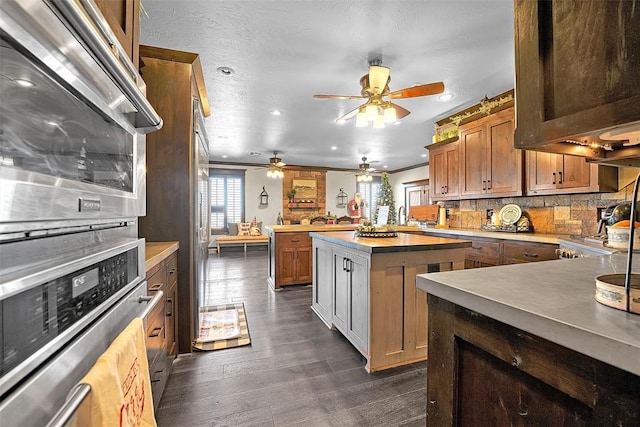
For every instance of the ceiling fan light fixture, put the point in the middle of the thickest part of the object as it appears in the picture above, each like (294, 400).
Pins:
(371, 111)
(378, 123)
(390, 115)
(361, 119)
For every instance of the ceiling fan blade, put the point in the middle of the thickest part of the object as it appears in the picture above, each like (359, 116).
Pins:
(351, 114)
(338, 96)
(378, 78)
(422, 90)
(400, 111)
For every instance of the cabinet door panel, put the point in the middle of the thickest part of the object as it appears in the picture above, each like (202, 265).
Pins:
(322, 282)
(304, 264)
(473, 165)
(576, 172)
(504, 174)
(438, 171)
(452, 170)
(340, 293)
(359, 302)
(287, 265)
(542, 170)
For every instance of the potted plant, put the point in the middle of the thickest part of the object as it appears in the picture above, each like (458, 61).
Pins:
(291, 194)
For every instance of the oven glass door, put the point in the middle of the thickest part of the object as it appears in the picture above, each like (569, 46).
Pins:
(47, 130)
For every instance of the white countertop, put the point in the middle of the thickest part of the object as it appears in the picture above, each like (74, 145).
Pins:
(551, 299)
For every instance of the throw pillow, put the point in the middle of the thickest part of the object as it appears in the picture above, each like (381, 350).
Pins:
(244, 228)
(233, 228)
(255, 231)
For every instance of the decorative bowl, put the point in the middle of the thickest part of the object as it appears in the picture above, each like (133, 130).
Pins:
(610, 291)
(618, 237)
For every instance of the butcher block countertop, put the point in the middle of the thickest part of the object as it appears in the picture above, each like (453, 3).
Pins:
(330, 227)
(553, 300)
(403, 243)
(156, 252)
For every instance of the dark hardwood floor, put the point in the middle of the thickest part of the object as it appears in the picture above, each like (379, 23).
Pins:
(295, 372)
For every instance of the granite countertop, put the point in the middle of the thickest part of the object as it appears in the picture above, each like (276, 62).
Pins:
(330, 227)
(524, 237)
(551, 299)
(403, 243)
(156, 252)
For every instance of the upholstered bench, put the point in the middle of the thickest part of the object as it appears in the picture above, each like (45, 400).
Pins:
(262, 239)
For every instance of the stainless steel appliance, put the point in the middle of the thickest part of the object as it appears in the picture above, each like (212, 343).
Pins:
(72, 118)
(581, 247)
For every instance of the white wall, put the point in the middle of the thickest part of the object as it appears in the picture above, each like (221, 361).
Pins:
(335, 181)
(396, 180)
(255, 179)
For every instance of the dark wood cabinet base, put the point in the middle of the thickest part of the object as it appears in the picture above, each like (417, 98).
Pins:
(484, 372)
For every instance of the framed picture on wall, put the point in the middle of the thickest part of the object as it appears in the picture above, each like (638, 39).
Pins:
(305, 188)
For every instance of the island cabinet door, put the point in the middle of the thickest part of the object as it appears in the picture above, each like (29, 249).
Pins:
(322, 271)
(340, 288)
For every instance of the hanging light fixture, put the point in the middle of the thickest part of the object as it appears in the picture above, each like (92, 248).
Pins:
(361, 118)
(371, 111)
(275, 167)
(264, 196)
(378, 123)
(390, 114)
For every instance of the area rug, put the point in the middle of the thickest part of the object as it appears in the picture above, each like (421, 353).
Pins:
(222, 326)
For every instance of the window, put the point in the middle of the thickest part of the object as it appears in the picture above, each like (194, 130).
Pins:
(227, 198)
(369, 192)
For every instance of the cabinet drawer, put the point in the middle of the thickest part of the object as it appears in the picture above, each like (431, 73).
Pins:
(155, 332)
(293, 240)
(156, 282)
(482, 248)
(172, 270)
(528, 252)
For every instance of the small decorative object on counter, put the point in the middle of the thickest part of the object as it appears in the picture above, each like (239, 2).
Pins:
(366, 229)
(279, 220)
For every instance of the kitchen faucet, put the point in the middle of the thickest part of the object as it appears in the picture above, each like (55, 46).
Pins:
(400, 221)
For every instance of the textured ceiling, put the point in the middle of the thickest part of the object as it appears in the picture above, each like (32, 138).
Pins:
(284, 52)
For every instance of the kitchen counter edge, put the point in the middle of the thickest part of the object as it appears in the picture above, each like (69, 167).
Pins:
(156, 252)
(524, 237)
(553, 300)
(403, 243)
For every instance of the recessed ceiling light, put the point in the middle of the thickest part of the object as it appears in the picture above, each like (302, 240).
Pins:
(423, 155)
(333, 147)
(255, 153)
(385, 166)
(24, 83)
(276, 112)
(224, 156)
(445, 97)
(225, 71)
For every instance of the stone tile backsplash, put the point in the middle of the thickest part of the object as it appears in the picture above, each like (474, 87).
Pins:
(560, 214)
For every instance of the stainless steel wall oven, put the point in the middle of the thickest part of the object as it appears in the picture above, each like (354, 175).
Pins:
(73, 119)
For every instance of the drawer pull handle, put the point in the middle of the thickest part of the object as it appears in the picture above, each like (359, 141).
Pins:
(476, 247)
(155, 332)
(560, 177)
(156, 287)
(531, 255)
(295, 240)
(169, 307)
(173, 270)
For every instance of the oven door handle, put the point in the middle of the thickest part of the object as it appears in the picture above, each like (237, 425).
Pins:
(123, 75)
(152, 301)
(76, 396)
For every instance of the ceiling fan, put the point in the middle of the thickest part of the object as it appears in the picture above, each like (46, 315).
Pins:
(362, 175)
(275, 166)
(375, 88)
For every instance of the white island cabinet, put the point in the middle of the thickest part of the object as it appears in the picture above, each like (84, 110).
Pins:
(366, 289)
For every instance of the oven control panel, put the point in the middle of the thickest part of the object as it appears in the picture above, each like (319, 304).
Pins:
(32, 318)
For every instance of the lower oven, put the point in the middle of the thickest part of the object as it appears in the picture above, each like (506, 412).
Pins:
(63, 300)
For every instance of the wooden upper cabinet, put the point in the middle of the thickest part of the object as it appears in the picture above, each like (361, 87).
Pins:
(550, 173)
(490, 166)
(123, 17)
(577, 65)
(444, 169)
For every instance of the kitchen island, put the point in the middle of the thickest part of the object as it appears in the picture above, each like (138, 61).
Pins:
(365, 288)
(528, 344)
(290, 251)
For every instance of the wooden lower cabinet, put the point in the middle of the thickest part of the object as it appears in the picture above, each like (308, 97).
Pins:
(484, 372)
(161, 324)
(290, 259)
